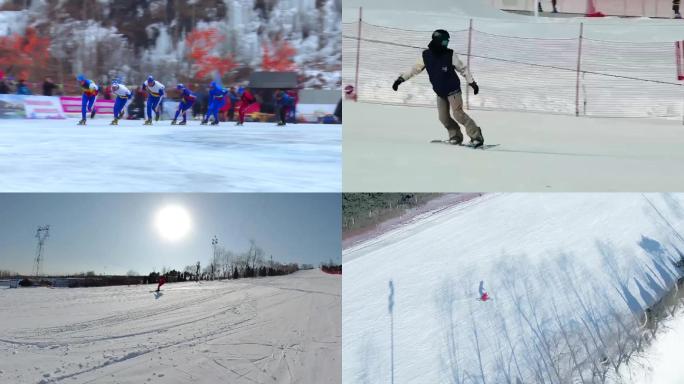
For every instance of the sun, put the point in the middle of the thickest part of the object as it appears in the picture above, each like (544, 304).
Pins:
(173, 222)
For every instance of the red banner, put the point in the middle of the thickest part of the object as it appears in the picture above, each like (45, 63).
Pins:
(679, 49)
(72, 105)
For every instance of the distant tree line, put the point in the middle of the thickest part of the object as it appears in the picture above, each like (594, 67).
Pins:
(362, 210)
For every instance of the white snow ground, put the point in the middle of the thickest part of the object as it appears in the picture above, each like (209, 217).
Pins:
(270, 330)
(662, 363)
(553, 263)
(387, 149)
(59, 156)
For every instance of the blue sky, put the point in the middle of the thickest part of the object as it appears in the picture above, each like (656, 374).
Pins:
(115, 233)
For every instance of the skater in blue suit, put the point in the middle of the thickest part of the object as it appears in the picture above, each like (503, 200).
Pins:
(123, 97)
(284, 103)
(155, 94)
(89, 93)
(187, 101)
(217, 99)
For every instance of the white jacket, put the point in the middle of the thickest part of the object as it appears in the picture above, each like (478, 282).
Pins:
(419, 66)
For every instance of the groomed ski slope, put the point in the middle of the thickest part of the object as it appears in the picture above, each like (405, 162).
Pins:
(269, 330)
(387, 148)
(59, 156)
(583, 264)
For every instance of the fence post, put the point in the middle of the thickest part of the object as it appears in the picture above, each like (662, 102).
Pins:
(358, 55)
(579, 67)
(470, 45)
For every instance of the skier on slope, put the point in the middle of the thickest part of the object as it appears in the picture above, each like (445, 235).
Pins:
(123, 98)
(155, 95)
(484, 296)
(441, 64)
(162, 281)
(90, 90)
(187, 100)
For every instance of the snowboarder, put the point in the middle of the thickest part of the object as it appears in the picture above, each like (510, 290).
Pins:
(155, 95)
(246, 99)
(162, 281)
(217, 99)
(675, 8)
(553, 3)
(123, 98)
(90, 90)
(441, 64)
(187, 100)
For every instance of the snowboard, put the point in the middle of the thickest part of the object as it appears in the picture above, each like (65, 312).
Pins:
(468, 145)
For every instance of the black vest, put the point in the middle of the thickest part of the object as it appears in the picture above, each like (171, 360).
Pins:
(440, 69)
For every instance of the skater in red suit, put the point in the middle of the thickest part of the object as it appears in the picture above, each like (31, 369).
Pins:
(162, 281)
(246, 99)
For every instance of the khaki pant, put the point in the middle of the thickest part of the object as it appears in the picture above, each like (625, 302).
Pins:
(456, 103)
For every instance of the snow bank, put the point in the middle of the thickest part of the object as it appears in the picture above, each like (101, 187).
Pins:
(568, 273)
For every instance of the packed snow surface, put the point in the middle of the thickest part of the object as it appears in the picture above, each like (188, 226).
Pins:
(662, 362)
(554, 264)
(269, 330)
(388, 149)
(455, 15)
(59, 156)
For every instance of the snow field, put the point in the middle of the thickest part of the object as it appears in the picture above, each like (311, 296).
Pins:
(58, 155)
(269, 330)
(387, 149)
(570, 275)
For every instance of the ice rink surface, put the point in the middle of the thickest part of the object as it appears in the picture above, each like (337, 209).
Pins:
(59, 156)
(388, 149)
(268, 330)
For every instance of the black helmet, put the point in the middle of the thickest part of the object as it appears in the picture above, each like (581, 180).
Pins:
(440, 37)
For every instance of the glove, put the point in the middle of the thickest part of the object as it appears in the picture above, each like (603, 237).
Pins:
(476, 89)
(398, 81)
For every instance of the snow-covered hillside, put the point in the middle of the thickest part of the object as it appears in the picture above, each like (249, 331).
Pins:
(570, 276)
(129, 39)
(268, 330)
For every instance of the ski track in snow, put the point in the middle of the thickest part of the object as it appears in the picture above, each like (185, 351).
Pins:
(57, 155)
(277, 330)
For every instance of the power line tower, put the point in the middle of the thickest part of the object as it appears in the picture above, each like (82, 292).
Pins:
(214, 246)
(42, 233)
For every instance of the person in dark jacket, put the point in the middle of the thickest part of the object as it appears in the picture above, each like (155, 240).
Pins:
(284, 102)
(48, 87)
(441, 64)
(338, 111)
(22, 89)
(675, 8)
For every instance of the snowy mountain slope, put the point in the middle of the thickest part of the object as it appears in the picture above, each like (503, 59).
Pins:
(129, 39)
(269, 330)
(570, 275)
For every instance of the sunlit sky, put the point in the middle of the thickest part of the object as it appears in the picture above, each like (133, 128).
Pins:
(115, 233)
